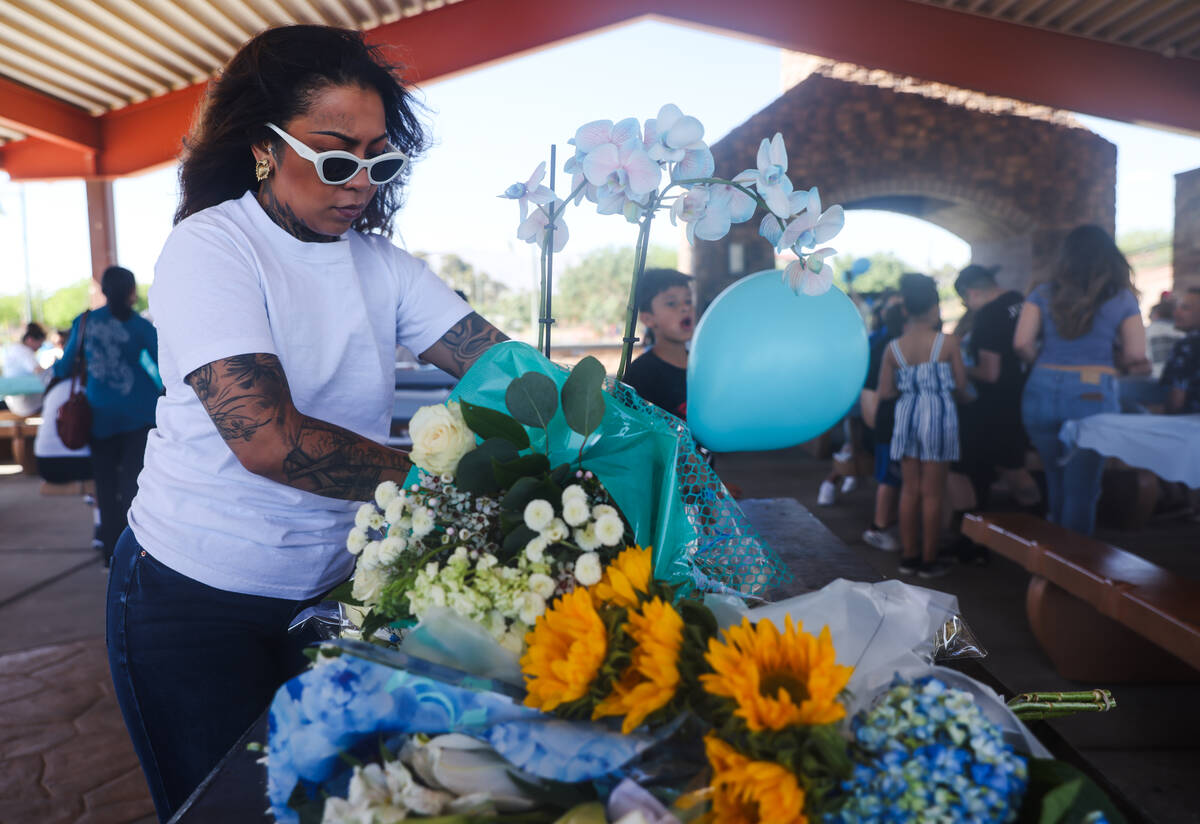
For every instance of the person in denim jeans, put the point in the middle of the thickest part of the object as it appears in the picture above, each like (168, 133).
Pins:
(1088, 321)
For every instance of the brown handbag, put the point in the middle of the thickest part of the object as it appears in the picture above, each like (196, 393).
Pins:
(74, 419)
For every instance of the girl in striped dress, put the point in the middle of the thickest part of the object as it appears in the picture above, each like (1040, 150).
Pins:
(924, 370)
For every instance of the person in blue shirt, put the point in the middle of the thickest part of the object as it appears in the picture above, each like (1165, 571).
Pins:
(121, 393)
(1181, 375)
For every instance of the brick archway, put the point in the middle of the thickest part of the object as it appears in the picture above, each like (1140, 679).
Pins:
(1008, 178)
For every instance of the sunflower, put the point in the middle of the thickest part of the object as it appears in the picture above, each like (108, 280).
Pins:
(625, 578)
(565, 650)
(777, 679)
(652, 677)
(751, 792)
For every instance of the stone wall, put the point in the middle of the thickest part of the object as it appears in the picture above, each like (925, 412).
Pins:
(1009, 178)
(1187, 230)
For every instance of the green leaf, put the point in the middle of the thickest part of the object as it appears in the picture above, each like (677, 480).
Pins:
(475, 473)
(311, 809)
(491, 423)
(532, 399)
(526, 466)
(521, 493)
(343, 592)
(1060, 794)
(583, 396)
(561, 475)
(516, 540)
(1058, 801)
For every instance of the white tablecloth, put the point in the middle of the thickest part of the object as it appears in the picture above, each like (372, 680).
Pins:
(1167, 445)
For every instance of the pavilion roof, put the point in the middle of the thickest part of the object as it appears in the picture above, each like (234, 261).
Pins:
(114, 82)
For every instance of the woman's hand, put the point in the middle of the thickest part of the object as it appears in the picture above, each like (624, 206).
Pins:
(248, 399)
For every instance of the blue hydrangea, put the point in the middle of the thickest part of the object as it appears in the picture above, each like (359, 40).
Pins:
(925, 753)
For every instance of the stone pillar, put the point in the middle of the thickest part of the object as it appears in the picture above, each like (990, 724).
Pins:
(1187, 230)
(102, 226)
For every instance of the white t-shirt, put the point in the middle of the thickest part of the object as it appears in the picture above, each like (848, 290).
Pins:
(20, 360)
(46, 443)
(231, 282)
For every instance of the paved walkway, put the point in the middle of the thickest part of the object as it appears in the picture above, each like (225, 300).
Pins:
(64, 753)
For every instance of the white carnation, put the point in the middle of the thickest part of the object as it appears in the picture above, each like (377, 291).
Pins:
(440, 438)
(356, 541)
(375, 521)
(538, 514)
(556, 531)
(602, 510)
(385, 493)
(362, 517)
(575, 511)
(574, 492)
(394, 510)
(535, 549)
(541, 585)
(422, 522)
(610, 530)
(390, 550)
(586, 538)
(587, 569)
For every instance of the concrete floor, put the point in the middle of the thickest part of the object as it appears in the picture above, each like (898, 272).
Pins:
(1149, 747)
(51, 608)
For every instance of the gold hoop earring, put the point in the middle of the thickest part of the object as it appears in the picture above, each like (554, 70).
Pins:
(262, 169)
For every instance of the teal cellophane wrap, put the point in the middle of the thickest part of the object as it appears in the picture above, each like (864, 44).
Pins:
(649, 464)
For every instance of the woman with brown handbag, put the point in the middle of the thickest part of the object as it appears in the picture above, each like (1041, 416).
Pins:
(120, 392)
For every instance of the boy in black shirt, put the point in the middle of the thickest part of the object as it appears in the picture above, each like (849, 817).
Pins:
(665, 308)
(993, 437)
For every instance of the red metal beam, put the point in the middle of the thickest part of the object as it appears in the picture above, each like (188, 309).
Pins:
(41, 116)
(37, 159)
(925, 41)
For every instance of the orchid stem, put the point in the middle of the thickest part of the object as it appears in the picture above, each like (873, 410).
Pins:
(639, 264)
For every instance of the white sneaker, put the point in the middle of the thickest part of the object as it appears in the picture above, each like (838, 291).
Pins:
(845, 453)
(827, 494)
(849, 485)
(881, 539)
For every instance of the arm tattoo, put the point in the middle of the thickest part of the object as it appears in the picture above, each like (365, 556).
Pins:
(287, 220)
(248, 399)
(462, 345)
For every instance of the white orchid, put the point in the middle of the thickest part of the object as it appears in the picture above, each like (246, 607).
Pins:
(710, 210)
(770, 178)
(772, 226)
(813, 227)
(673, 137)
(533, 228)
(812, 275)
(612, 159)
(531, 191)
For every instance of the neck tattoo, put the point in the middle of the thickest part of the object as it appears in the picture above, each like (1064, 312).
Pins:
(286, 219)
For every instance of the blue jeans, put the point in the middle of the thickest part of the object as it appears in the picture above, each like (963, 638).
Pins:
(193, 667)
(1051, 397)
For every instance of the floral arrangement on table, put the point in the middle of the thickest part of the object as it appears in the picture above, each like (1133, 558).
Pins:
(620, 167)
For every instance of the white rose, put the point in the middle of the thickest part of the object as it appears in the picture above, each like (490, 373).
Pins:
(575, 511)
(529, 607)
(422, 522)
(586, 538)
(369, 558)
(368, 585)
(395, 510)
(535, 549)
(390, 550)
(538, 514)
(385, 493)
(440, 438)
(587, 569)
(601, 510)
(356, 541)
(363, 516)
(541, 585)
(556, 531)
(610, 530)
(574, 492)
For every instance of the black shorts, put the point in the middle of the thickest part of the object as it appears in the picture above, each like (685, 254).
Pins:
(992, 437)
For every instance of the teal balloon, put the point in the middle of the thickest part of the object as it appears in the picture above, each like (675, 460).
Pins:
(770, 368)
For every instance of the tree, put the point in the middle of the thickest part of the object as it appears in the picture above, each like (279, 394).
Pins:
(594, 292)
(505, 308)
(886, 269)
(61, 307)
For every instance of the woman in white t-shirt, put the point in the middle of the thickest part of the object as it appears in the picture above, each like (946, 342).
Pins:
(279, 304)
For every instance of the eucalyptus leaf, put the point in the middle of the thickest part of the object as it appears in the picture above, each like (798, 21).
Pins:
(583, 396)
(532, 399)
(521, 493)
(516, 540)
(1058, 802)
(491, 423)
(525, 466)
(344, 593)
(475, 473)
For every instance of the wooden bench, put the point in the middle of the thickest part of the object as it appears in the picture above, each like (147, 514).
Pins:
(1099, 612)
(20, 431)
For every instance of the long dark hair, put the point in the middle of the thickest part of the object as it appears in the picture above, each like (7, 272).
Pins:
(117, 283)
(1090, 270)
(273, 78)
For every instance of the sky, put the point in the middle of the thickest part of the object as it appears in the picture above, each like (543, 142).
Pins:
(491, 127)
